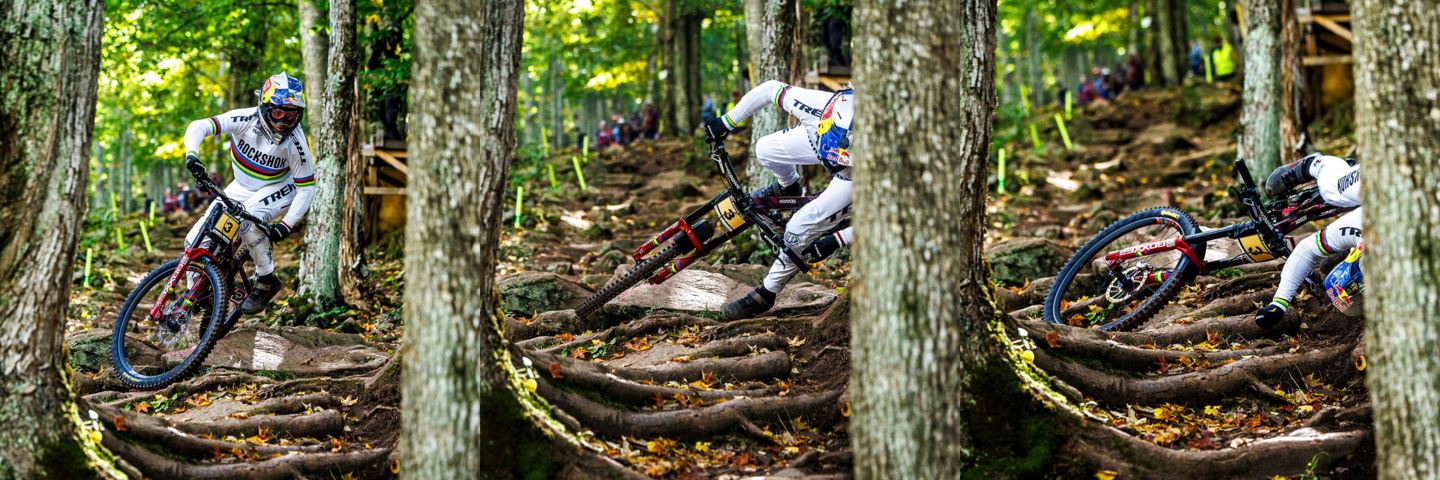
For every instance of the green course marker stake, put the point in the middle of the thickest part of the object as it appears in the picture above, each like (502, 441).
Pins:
(1025, 98)
(1064, 134)
(152, 213)
(1209, 75)
(579, 174)
(114, 211)
(553, 186)
(120, 239)
(585, 151)
(1000, 186)
(89, 253)
(1069, 96)
(1035, 138)
(145, 235)
(545, 139)
(519, 204)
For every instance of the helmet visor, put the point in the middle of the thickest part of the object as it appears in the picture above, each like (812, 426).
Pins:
(284, 118)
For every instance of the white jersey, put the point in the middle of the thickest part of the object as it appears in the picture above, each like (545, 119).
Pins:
(257, 160)
(804, 104)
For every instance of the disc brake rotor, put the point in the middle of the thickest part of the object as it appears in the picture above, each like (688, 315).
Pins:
(1130, 282)
(174, 323)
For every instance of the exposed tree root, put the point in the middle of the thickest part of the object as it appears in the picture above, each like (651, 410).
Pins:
(774, 364)
(633, 329)
(1075, 341)
(313, 384)
(1244, 283)
(165, 434)
(293, 404)
(1232, 305)
(289, 466)
(1112, 449)
(687, 423)
(210, 381)
(312, 425)
(602, 380)
(1187, 387)
(737, 346)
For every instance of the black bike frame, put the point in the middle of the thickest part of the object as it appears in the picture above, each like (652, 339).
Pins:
(1262, 237)
(735, 211)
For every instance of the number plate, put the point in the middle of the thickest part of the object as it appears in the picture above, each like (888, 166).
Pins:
(227, 226)
(732, 218)
(1255, 248)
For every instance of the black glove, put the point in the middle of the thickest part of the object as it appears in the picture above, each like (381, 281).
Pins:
(197, 169)
(278, 231)
(716, 130)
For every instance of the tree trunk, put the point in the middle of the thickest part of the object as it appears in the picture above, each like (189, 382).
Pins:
(1398, 130)
(667, 37)
(682, 45)
(1294, 141)
(1172, 40)
(460, 416)
(49, 63)
(771, 27)
(1260, 117)
(320, 263)
(246, 56)
(1156, 52)
(927, 352)
(352, 231)
(1136, 34)
(314, 45)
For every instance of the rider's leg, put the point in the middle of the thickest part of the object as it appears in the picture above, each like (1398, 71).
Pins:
(267, 204)
(783, 152)
(1339, 236)
(808, 224)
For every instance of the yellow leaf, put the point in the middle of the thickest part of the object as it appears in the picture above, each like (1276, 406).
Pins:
(1360, 362)
(702, 446)
(1027, 356)
(530, 385)
(845, 409)
(1212, 410)
(1106, 475)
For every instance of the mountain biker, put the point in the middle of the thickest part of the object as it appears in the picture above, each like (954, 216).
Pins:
(821, 138)
(273, 174)
(1339, 184)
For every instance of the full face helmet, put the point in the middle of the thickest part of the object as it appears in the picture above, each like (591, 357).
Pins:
(834, 131)
(282, 105)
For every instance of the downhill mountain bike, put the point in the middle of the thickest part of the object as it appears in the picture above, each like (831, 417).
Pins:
(1135, 266)
(174, 316)
(705, 229)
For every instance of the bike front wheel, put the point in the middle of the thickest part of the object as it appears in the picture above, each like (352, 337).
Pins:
(150, 353)
(1087, 293)
(643, 269)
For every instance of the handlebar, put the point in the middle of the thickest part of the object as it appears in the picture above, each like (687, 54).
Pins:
(232, 207)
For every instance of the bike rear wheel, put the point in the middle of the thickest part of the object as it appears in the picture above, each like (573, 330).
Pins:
(1087, 294)
(149, 354)
(642, 270)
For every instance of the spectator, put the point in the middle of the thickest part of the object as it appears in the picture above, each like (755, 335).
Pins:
(650, 125)
(603, 138)
(1134, 72)
(1223, 60)
(168, 205)
(1197, 66)
(1084, 92)
(707, 111)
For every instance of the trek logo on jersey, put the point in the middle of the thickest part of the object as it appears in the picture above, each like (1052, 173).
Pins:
(243, 118)
(806, 108)
(279, 194)
(1350, 231)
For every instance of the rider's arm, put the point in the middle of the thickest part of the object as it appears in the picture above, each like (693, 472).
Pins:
(800, 102)
(1339, 181)
(303, 173)
(227, 122)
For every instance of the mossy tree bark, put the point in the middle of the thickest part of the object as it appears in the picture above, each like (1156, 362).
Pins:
(1397, 116)
(314, 45)
(461, 416)
(931, 381)
(770, 28)
(320, 262)
(1260, 116)
(49, 65)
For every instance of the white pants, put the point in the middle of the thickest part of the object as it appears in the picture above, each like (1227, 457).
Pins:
(268, 203)
(784, 152)
(1339, 236)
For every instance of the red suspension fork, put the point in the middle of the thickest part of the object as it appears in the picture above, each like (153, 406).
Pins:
(674, 268)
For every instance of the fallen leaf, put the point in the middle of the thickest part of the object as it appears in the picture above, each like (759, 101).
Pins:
(845, 409)
(702, 446)
(554, 370)
(531, 385)
(795, 342)
(1360, 362)
(1053, 339)
(119, 424)
(565, 337)
(1106, 475)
